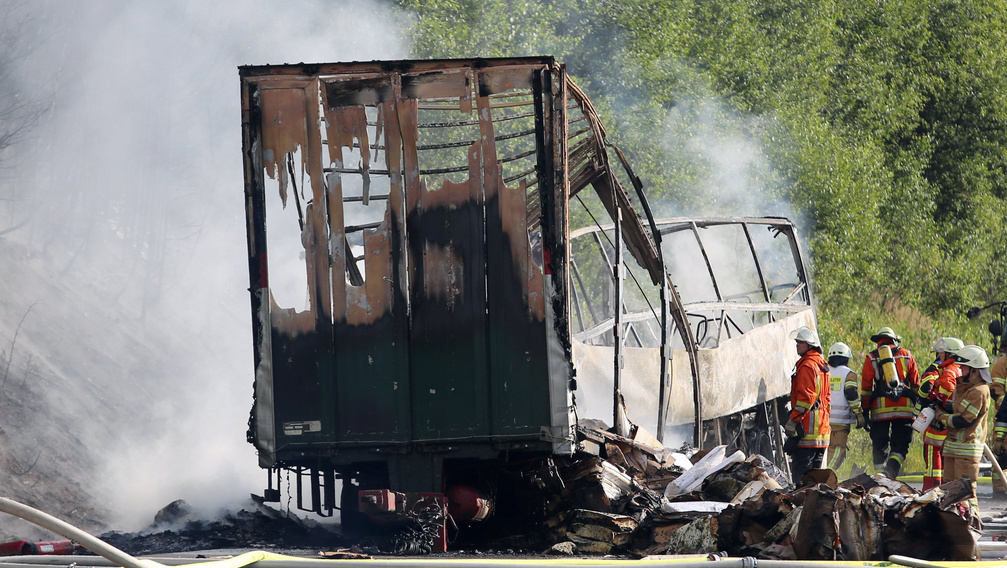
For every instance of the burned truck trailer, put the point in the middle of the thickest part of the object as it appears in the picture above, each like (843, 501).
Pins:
(450, 268)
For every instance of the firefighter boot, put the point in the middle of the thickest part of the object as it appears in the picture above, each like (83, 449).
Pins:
(893, 465)
(880, 459)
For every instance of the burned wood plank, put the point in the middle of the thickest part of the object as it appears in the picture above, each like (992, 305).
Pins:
(818, 534)
(955, 492)
(589, 546)
(860, 521)
(697, 537)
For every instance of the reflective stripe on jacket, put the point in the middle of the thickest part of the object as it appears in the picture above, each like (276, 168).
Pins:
(942, 391)
(971, 402)
(881, 406)
(810, 399)
(842, 411)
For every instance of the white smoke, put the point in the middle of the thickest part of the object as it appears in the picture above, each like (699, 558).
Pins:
(130, 198)
(734, 175)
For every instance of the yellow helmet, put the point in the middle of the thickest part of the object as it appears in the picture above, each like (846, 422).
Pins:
(885, 332)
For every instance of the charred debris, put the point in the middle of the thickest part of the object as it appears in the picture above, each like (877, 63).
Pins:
(628, 497)
(636, 498)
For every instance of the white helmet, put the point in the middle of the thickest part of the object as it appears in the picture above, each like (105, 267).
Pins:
(975, 357)
(948, 345)
(807, 335)
(840, 349)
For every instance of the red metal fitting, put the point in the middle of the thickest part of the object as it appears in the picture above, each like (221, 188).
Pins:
(466, 504)
(46, 547)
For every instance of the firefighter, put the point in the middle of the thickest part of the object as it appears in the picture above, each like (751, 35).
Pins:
(998, 389)
(937, 385)
(886, 385)
(965, 418)
(807, 426)
(845, 399)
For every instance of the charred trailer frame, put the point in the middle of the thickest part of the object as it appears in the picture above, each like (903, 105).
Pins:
(426, 204)
(412, 298)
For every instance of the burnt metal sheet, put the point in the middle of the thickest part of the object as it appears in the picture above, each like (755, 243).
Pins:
(592, 166)
(516, 292)
(741, 373)
(295, 337)
(737, 338)
(369, 404)
(426, 213)
(358, 91)
(447, 350)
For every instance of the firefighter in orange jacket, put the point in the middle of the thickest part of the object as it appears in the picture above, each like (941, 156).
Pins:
(937, 385)
(886, 385)
(808, 425)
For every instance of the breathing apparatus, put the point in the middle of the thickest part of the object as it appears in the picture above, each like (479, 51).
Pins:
(887, 375)
(886, 362)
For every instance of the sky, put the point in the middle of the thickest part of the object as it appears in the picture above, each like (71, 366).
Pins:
(130, 191)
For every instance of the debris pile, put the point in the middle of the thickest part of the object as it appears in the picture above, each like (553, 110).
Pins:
(636, 498)
(630, 496)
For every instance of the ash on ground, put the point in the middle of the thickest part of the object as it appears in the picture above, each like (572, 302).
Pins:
(254, 526)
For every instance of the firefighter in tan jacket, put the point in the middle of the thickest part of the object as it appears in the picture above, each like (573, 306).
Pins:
(966, 418)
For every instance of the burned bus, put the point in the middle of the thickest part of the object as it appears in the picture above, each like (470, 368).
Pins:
(451, 270)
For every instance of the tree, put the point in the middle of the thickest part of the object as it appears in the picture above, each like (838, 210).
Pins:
(883, 125)
(19, 111)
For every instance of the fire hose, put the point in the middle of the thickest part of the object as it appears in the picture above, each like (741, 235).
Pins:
(994, 463)
(102, 548)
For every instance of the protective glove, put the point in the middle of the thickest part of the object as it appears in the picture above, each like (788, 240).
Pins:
(940, 418)
(791, 428)
(998, 445)
(861, 420)
(913, 396)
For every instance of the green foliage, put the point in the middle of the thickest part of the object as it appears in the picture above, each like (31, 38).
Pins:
(880, 127)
